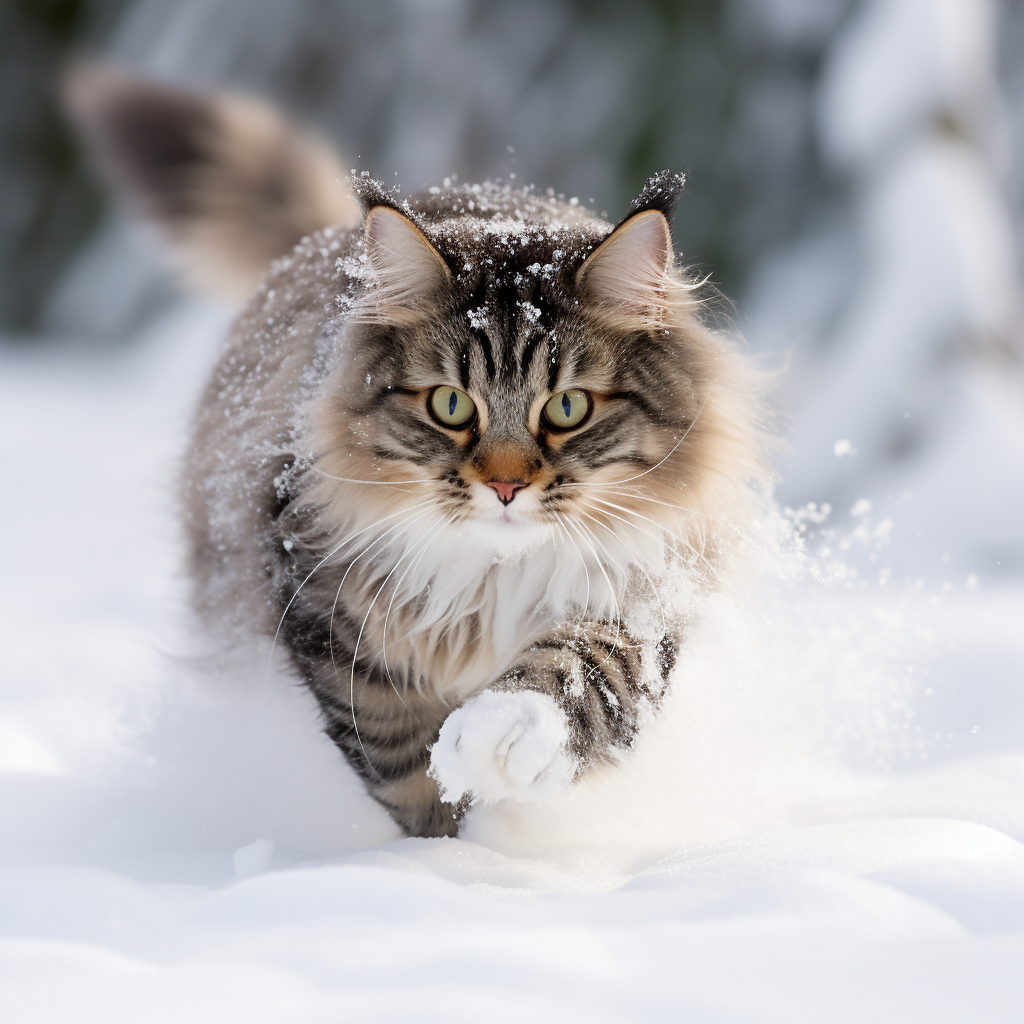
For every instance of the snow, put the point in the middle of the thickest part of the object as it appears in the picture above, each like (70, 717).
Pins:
(501, 745)
(899, 64)
(826, 822)
(906, 307)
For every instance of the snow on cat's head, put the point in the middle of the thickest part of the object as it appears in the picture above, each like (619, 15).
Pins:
(526, 370)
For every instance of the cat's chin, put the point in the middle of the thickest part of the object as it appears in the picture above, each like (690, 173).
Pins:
(506, 536)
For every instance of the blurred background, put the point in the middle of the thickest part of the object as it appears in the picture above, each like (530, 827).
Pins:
(856, 179)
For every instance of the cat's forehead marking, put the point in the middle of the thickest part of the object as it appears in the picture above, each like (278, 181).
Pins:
(512, 316)
(512, 291)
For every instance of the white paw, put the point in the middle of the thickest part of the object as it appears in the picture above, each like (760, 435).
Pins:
(503, 745)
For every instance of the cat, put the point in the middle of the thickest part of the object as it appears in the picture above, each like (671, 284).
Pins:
(459, 457)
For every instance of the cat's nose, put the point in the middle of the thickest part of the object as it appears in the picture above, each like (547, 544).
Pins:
(507, 489)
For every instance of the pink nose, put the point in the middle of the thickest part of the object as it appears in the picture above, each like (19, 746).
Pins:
(507, 489)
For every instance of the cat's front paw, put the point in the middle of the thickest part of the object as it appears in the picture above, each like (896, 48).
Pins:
(501, 744)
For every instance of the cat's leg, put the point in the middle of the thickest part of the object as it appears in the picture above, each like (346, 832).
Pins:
(573, 699)
(382, 723)
(385, 730)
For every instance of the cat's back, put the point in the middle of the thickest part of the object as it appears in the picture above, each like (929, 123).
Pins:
(248, 419)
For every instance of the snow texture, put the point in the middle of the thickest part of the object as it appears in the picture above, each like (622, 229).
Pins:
(500, 745)
(826, 821)
(905, 310)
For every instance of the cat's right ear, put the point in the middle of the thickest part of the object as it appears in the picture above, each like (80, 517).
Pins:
(409, 271)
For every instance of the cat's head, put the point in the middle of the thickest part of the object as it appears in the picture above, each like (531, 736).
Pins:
(507, 368)
(517, 367)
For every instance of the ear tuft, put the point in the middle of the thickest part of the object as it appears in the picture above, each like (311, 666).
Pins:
(369, 192)
(626, 276)
(661, 192)
(409, 269)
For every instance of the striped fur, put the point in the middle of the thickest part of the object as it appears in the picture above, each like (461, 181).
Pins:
(327, 507)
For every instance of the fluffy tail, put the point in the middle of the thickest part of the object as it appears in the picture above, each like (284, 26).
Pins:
(230, 183)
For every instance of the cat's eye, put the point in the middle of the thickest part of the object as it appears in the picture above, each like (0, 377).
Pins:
(565, 410)
(451, 407)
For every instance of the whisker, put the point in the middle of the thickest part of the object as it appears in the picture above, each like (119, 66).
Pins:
(586, 535)
(407, 523)
(675, 448)
(583, 561)
(328, 556)
(611, 558)
(656, 501)
(352, 480)
(359, 637)
(659, 526)
(637, 562)
(397, 589)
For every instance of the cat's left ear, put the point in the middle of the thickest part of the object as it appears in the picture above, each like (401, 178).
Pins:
(626, 278)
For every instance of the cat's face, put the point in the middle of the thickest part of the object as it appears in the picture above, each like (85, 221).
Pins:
(526, 391)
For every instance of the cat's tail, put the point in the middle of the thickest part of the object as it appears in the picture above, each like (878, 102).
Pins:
(232, 185)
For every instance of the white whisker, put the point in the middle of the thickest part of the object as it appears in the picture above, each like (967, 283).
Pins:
(586, 535)
(372, 483)
(664, 529)
(407, 523)
(583, 561)
(611, 558)
(397, 589)
(657, 501)
(359, 637)
(327, 557)
(675, 448)
(637, 562)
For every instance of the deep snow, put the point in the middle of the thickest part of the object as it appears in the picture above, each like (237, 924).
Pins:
(827, 823)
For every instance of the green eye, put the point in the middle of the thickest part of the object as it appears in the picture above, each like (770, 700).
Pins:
(451, 407)
(567, 409)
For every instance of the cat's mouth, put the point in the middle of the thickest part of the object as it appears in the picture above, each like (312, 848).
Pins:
(508, 507)
(512, 526)
(509, 519)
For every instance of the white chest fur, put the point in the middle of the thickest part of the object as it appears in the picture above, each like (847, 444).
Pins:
(463, 602)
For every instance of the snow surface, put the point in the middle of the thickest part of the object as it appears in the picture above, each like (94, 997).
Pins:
(827, 822)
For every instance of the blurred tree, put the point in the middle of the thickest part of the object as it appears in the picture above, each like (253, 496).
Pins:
(50, 204)
(587, 96)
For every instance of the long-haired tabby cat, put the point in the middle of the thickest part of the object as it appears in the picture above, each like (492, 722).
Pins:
(458, 452)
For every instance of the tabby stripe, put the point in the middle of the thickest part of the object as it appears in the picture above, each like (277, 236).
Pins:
(600, 437)
(412, 424)
(485, 347)
(377, 746)
(621, 460)
(637, 399)
(554, 360)
(506, 299)
(529, 351)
